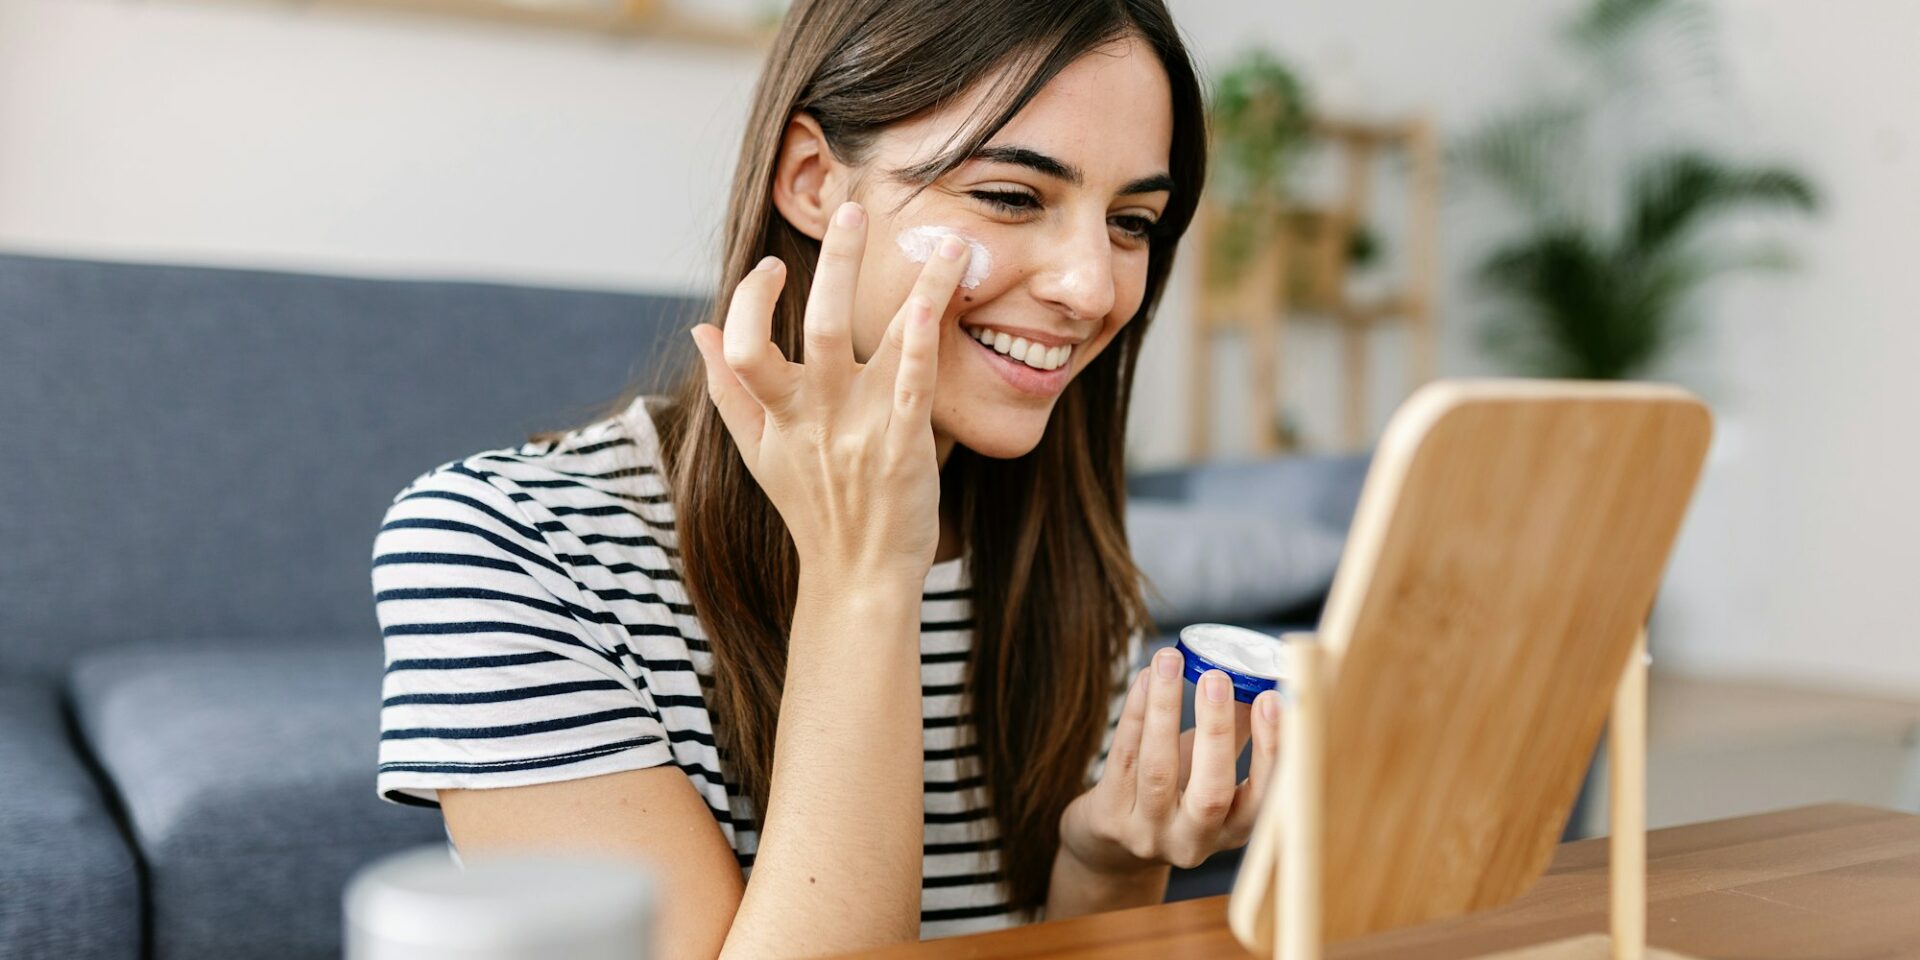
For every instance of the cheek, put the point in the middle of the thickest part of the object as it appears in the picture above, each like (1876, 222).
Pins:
(1129, 290)
(884, 283)
(1108, 334)
(917, 243)
(1129, 284)
(894, 258)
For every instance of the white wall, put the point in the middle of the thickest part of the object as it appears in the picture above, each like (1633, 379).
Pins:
(267, 133)
(257, 133)
(1803, 553)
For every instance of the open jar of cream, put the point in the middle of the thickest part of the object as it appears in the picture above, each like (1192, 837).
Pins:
(1251, 659)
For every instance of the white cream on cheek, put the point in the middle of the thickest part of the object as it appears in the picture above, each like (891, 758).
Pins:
(918, 243)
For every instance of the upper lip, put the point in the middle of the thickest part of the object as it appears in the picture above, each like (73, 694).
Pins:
(1031, 336)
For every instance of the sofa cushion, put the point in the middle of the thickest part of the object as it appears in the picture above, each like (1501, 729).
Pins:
(221, 443)
(1321, 488)
(69, 886)
(247, 775)
(1221, 562)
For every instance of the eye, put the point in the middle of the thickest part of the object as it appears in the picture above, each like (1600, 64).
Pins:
(1016, 202)
(1139, 228)
(1007, 201)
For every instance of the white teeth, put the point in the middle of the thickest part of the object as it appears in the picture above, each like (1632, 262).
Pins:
(1037, 356)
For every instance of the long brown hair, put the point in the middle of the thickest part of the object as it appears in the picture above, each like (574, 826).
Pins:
(1056, 594)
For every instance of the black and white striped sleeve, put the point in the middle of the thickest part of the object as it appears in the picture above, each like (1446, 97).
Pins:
(498, 670)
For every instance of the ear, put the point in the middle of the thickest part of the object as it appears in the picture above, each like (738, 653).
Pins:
(809, 182)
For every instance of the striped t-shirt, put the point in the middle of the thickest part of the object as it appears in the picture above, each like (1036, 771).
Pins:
(537, 629)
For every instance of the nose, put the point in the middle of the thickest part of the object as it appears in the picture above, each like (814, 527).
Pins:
(1075, 274)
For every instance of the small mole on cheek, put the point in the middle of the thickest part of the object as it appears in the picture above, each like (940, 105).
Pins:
(968, 297)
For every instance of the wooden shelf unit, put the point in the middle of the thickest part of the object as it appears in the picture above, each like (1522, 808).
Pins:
(1312, 245)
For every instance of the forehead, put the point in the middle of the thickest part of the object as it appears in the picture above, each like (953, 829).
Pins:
(1110, 113)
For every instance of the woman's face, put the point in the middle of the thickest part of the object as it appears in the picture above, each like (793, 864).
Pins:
(1055, 207)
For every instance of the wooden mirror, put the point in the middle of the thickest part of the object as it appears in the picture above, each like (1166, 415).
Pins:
(1505, 553)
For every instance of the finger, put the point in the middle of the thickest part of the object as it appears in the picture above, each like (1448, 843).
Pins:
(1160, 738)
(827, 328)
(1209, 789)
(919, 369)
(1250, 795)
(1123, 754)
(934, 286)
(748, 338)
(1242, 728)
(743, 415)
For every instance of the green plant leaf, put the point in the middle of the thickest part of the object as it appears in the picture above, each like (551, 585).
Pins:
(1530, 156)
(1673, 195)
(1573, 295)
(1561, 280)
(1259, 119)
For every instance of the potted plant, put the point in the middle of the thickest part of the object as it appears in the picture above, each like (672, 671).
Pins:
(1260, 121)
(1597, 281)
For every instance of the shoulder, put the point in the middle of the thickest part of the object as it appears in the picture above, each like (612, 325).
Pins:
(584, 460)
(604, 475)
(543, 509)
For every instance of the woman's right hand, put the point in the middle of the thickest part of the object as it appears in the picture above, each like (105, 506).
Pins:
(844, 450)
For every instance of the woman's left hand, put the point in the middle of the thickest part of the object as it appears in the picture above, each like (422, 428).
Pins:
(1165, 797)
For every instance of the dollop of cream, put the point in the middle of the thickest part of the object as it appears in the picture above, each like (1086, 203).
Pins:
(1238, 649)
(918, 243)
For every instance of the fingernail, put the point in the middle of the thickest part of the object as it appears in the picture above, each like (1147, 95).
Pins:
(1269, 706)
(950, 247)
(849, 214)
(1167, 663)
(1216, 687)
(767, 263)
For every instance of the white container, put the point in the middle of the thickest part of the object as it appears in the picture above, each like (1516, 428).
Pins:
(419, 905)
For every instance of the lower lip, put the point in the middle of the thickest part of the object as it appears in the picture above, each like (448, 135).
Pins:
(1040, 383)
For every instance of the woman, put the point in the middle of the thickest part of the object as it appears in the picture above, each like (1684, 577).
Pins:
(838, 635)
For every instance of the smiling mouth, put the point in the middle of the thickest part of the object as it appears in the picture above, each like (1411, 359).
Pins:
(1037, 356)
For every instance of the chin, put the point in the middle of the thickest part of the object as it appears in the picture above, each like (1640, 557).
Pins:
(1000, 433)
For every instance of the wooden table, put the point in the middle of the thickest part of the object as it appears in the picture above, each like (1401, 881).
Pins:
(1827, 882)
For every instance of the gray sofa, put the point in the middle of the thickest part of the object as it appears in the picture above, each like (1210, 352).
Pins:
(189, 662)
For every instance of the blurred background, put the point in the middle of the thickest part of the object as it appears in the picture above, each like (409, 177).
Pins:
(1716, 194)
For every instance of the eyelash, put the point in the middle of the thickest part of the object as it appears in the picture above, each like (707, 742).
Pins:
(1004, 201)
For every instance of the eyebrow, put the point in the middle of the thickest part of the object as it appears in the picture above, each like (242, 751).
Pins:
(1035, 160)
